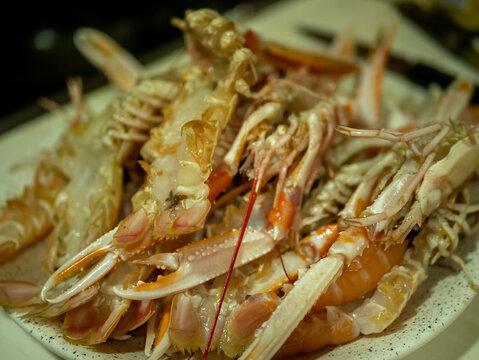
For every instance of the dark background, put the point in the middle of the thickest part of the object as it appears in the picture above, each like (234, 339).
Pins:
(38, 52)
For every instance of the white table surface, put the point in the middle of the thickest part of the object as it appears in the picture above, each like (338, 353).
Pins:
(279, 22)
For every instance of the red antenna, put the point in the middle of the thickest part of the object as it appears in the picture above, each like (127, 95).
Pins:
(249, 209)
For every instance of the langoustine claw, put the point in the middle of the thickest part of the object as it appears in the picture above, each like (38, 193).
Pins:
(199, 262)
(94, 321)
(121, 68)
(174, 200)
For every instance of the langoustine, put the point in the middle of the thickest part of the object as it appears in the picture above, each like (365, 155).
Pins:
(351, 243)
(278, 154)
(354, 240)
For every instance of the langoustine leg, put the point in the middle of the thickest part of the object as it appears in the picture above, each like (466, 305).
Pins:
(268, 341)
(94, 321)
(315, 281)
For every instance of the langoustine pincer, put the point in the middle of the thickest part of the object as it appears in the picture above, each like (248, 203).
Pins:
(262, 203)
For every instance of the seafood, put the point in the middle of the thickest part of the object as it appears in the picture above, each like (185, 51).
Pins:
(121, 127)
(94, 321)
(369, 107)
(326, 201)
(250, 288)
(353, 241)
(27, 218)
(140, 109)
(119, 66)
(174, 200)
(88, 205)
(265, 220)
(438, 237)
(54, 197)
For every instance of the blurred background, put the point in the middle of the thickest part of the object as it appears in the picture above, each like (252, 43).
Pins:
(38, 53)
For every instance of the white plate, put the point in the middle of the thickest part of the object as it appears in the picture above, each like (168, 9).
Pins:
(437, 303)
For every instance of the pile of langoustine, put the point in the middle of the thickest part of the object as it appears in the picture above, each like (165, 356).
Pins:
(243, 203)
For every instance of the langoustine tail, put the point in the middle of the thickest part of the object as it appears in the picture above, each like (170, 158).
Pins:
(27, 218)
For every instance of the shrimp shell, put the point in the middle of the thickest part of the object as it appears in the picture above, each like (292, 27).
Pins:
(27, 218)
